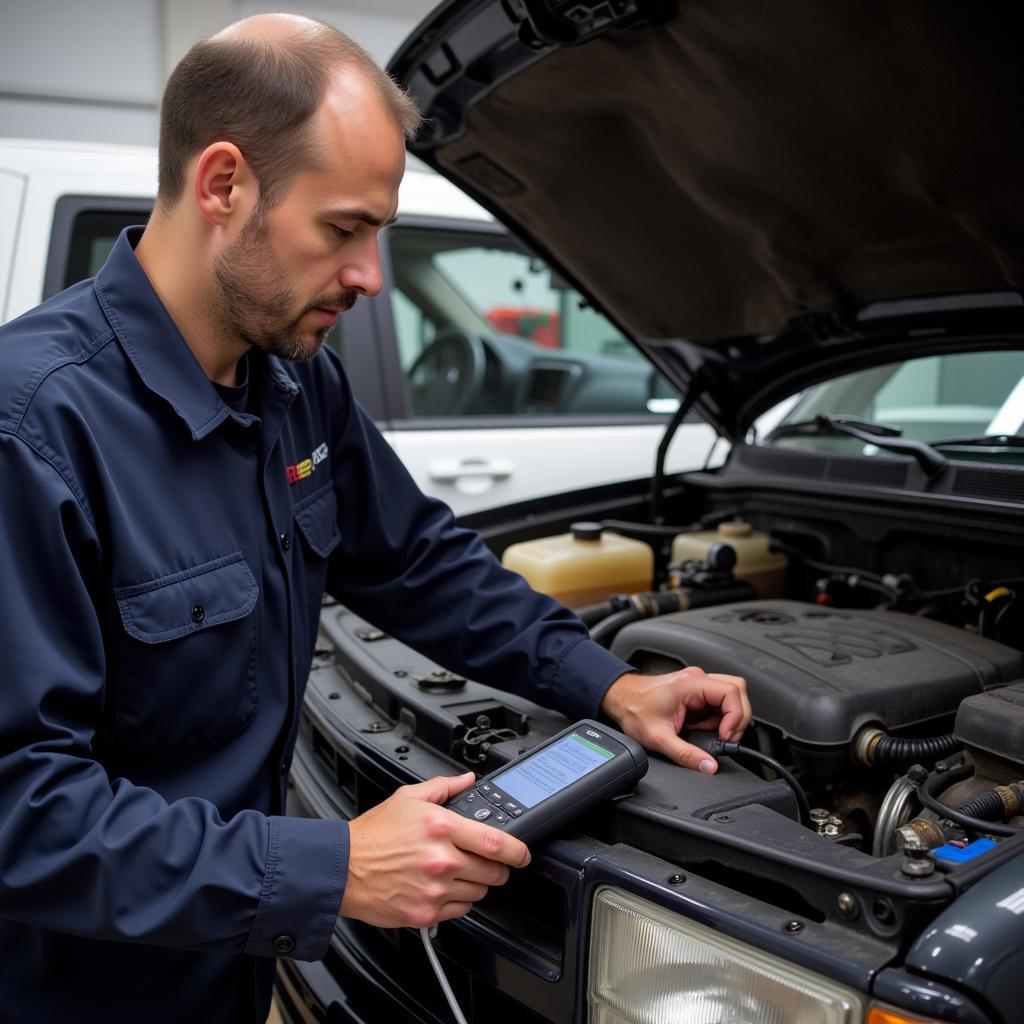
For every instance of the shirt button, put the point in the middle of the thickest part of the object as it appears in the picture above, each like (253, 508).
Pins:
(284, 944)
(286, 541)
(198, 613)
(283, 767)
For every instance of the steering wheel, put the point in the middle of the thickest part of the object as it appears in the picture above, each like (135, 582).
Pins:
(448, 375)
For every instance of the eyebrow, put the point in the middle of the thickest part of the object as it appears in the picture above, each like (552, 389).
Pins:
(364, 215)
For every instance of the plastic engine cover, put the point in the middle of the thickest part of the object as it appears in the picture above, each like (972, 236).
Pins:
(820, 674)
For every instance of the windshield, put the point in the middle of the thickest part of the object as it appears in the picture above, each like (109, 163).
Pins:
(932, 399)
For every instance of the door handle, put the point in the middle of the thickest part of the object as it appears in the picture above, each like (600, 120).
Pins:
(451, 471)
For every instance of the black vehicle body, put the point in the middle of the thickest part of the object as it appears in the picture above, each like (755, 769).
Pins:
(763, 197)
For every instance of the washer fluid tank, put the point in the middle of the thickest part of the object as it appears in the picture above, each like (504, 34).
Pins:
(584, 566)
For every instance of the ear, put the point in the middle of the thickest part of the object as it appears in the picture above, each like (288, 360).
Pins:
(224, 185)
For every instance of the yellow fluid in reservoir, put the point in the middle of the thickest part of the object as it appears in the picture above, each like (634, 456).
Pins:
(761, 568)
(583, 567)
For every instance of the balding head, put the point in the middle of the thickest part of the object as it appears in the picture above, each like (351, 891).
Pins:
(257, 84)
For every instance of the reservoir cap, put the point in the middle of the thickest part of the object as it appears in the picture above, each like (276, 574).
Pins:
(586, 531)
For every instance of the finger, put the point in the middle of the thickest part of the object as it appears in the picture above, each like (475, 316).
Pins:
(683, 753)
(438, 790)
(481, 871)
(489, 843)
(730, 700)
(735, 728)
(465, 892)
(452, 910)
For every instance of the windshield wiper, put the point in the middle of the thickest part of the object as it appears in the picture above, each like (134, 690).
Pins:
(982, 441)
(882, 435)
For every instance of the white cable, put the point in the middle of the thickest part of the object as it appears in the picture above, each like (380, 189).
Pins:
(441, 976)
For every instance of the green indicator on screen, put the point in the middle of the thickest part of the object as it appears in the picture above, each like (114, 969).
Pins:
(593, 746)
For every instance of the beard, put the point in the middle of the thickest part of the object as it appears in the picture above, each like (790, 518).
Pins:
(252, 303)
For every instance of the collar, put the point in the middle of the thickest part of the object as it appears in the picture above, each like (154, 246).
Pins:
(156, 348)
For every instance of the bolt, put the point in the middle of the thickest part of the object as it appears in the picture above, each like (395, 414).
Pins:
(483, 722)
(916, 862)
(832, 831)
(724, 819)
(793, 927)
(401, 673)
(819, 819)
(677, 879)
(847, 905)
(401, 750)
(917, 773)
(376, 727)
(334, 696)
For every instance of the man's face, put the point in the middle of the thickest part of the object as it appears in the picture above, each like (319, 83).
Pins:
(281, 283)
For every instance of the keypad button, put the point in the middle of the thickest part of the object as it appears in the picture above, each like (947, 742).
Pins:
(486, 788)
(483, 814)
(516, 813)
(509, 806)
(495, 797)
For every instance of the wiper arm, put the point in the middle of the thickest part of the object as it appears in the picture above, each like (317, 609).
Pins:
(882, 435)
(983, 441)
(827, 425)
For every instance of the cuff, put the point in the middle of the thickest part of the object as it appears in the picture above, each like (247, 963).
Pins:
(586, 671)
(307, 864)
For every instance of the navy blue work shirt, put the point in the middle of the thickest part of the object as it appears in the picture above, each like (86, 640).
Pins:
(163, 554)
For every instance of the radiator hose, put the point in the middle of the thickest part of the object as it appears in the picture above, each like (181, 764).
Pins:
(875, 748)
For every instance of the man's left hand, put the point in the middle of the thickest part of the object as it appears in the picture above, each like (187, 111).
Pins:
(653, 709)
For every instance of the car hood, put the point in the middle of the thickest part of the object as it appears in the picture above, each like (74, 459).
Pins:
(751, 191)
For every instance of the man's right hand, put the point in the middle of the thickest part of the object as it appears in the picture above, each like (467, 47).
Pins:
(413, 863)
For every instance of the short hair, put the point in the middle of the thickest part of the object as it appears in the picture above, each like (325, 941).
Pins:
(260, 95)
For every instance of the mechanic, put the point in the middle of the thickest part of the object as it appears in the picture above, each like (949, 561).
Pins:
(184, 473)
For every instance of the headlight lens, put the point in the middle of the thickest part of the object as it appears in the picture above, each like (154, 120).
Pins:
(648, 966)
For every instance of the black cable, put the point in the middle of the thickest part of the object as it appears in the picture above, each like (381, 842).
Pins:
(837, 570)
(924, 792)
(734, 750)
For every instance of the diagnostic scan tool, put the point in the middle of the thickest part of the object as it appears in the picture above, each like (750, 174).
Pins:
(539, 791)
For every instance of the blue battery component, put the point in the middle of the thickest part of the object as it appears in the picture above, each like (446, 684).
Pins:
(962, 854)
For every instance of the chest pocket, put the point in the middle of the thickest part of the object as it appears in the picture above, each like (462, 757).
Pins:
(316, 521)
(185, 665)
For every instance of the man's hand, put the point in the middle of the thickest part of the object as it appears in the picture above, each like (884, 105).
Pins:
(652, 709)
(413, 863)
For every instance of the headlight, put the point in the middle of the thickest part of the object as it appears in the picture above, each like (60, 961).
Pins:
(648, 966)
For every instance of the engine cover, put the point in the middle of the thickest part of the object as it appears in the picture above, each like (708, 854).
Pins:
(819, 674)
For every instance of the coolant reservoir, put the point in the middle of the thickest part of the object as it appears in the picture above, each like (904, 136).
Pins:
(761, 568)
(584, 566)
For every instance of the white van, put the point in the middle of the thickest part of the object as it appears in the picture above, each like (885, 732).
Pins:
(489, 375)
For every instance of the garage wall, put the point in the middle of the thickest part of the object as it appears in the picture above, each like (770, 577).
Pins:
(94, 71)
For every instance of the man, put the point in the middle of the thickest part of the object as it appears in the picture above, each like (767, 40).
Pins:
(163, 558)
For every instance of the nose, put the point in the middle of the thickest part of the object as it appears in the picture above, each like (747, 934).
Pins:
(361, 269)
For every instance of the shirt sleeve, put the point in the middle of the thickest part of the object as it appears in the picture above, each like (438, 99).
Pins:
(88, 854)
(404, 565)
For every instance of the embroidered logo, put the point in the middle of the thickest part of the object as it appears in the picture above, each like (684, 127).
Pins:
(307, 466)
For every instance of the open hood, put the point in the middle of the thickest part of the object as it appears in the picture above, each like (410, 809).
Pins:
(741, 180)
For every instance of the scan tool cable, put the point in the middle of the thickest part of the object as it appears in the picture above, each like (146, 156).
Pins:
(426, 934)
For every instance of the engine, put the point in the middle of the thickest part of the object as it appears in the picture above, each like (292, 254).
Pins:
(854, 702)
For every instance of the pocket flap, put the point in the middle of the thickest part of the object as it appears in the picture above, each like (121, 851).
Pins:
(184, 602)
(317, 518)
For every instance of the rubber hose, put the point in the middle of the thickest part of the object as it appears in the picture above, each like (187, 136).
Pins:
(987, 806)
(895, 751)
(604, 632)
(945, 779)
(592, 614)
